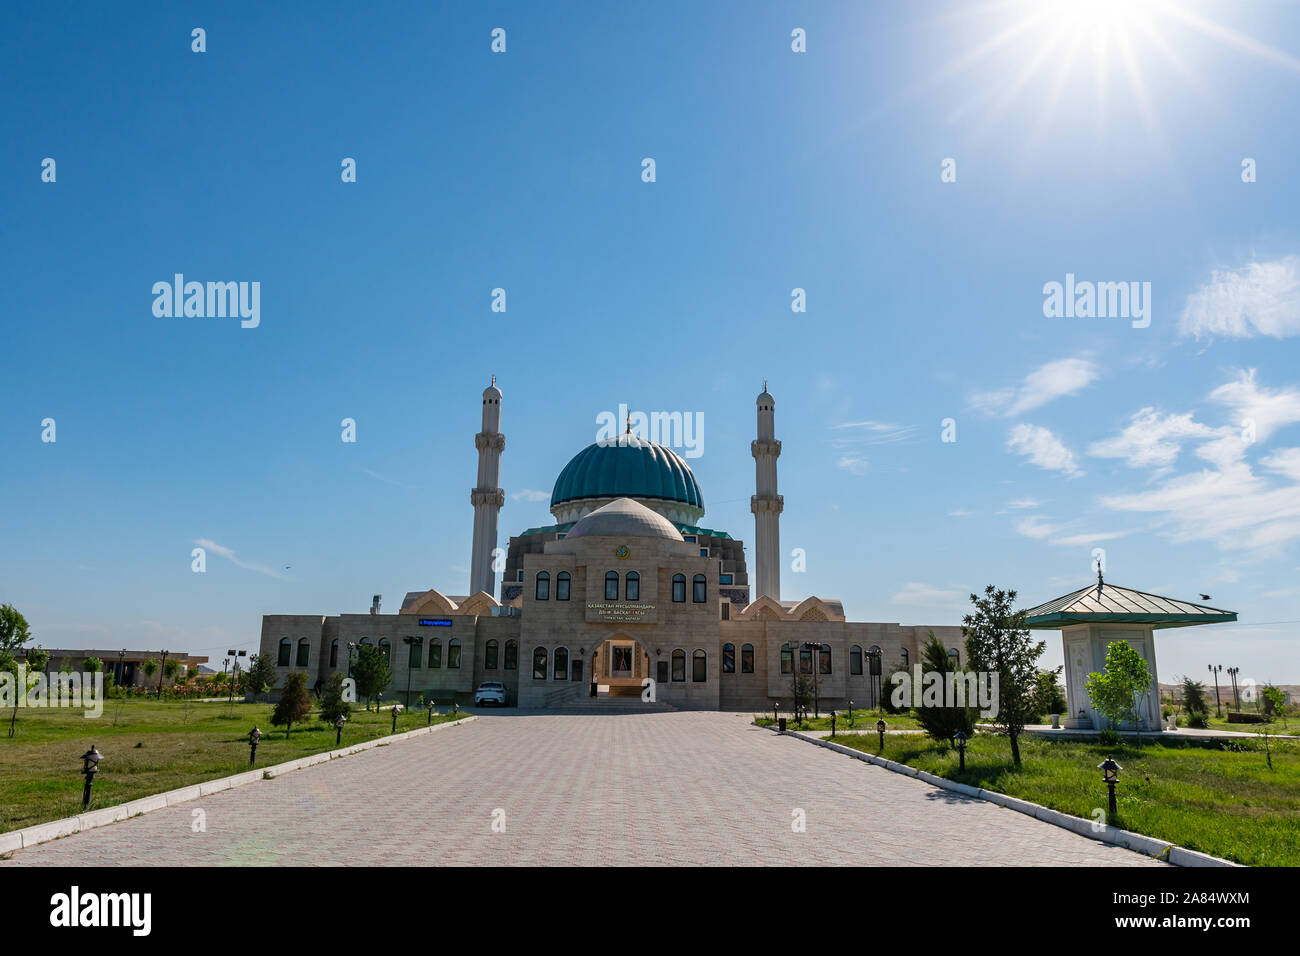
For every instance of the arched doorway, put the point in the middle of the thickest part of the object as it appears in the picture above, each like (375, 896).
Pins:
(619, 666)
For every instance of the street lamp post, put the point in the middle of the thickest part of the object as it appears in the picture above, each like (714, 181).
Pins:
(1236, 696)
(411, 642)
(850, 713)
(162, 670)
(880, 729)
(397, 709)
(338, 729)
(1110, 776)
(832, 723)
(234, 674)
(89, 767)
(961, 750)
(1218, 704)
(254, 736)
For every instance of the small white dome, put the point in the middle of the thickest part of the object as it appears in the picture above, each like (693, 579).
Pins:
(624, 517)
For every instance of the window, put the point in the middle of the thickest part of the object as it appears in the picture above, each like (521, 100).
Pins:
(561, 663)
(699, 589)
(611, 586)
(805, 659)
(512, 656)
(453, 653)
(632, 589)
(304, 652)
(728, 658)
(286, 646)
(334, 653)
(855, 660)
(622, 658)
(543, 586)
(824, 659)
(679, 665)
(704, 552)
(679, 589)
(539, 664)
(699, 667)
(386, 647)
(365, 641)
(956, 657)
(874, 655)
(490, 655)
(562, 586)
(787, 659)
(726, 610)
(747, 658)
(690, 538)
(577, 669)
(521, 575)
(903, 655)
(724, 578)
(413, 659)
(435, 652)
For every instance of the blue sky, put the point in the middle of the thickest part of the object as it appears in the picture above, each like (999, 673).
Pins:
(1104, 141)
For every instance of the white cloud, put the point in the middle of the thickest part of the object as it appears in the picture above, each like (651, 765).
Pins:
(229, 555)
(531, 494)
(1042, 385)
(1268, 409)
(870, 433)
(853, 463)
(1043, 449)
(1152, 441)
(1041, 529)
(1262, 298)
(917, 594)
(1023, 504)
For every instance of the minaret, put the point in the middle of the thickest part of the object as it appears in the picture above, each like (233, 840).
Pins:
(766, 504)
(486, 497)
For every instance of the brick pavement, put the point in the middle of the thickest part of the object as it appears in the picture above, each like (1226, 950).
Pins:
(657, 788)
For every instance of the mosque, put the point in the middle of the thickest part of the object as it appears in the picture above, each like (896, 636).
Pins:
(627, 595)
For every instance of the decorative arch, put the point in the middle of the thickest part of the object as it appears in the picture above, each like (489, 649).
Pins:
(479, 604)
(432, 601)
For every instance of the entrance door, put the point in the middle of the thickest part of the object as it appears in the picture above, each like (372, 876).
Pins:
(661, 673)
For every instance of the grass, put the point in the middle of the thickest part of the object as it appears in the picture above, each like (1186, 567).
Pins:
(156, 746)
(1219, 797)
(864, 720)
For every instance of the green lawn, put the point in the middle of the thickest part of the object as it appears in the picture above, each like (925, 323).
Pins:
(1218, 797)
(862, 720)
(154, 747)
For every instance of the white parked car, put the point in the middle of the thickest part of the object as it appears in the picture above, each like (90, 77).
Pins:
(491, 692)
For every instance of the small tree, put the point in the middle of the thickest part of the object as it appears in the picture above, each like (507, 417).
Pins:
(35, 661)
(294, 705)
(1193, 696)
(1117, 692)
(260, 676)
(1272, 703)
(372, 672)
(14, 632)
(93, 665)
(1049, 698)
(942, 722)
(998, 643)
(150, 667)
(333, 703)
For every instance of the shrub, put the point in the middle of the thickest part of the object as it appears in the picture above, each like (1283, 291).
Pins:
(1198, 720)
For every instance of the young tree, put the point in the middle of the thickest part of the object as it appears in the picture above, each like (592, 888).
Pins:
(14, 632)
(333, 703)
(1118, 692)
(294, 706)
(260, 676)
(942, 722)
(93, 665)
(1049, 698)
(150, 667)
(1193, 696)
(372, 672)
(35, 661)
(998, 643)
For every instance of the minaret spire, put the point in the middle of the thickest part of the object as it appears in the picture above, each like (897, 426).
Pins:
(766, 504)
(486, 497)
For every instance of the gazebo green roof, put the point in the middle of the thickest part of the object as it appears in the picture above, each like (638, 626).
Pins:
(1104, 603)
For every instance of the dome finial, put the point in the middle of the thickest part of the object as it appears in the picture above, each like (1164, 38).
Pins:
(629, 423)
(494, 380)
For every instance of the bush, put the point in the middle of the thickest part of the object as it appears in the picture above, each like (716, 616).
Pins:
(1198, 719)
(1109, 737)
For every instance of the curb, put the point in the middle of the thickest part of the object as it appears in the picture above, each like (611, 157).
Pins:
(1150, 846)
(45, 832)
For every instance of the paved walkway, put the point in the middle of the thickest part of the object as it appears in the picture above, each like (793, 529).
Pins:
(659, 788)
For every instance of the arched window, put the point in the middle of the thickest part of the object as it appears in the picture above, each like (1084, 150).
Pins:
(874, 655)
(512, 656)
(679, 665)
(562, 586)
(561, 670)
(805, 659)
(490, 652)
(747, 658)
(679, 589)
(855, 660)
(304, 652)
(699, 589)
(453, 653)
(365, 641)
(543, 592)
(435, 652)
(385, 647)
(611, 586)
(286, 648)
(699, 666)
(824, 659)
(903, 656)
(728, 658)
(955, 656)
(539, 664)
(787, 659)
(334, 653)
(413, 659)
(632, 591)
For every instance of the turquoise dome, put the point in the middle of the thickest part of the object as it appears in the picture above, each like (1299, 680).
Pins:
(629, 467)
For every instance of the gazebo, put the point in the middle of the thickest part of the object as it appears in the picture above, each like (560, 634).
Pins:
(1091, 618)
